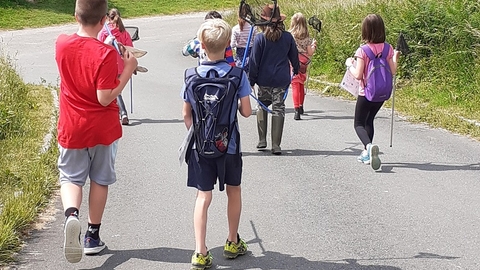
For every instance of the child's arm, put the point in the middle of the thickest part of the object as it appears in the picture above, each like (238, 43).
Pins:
(394, 61)
(105, 96)
(311, 48)
(244, 107)
(357, 70)
(187, 114)
(244, 92)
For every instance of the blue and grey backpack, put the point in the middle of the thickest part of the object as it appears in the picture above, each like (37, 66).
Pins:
(379, 81)
(213, 99)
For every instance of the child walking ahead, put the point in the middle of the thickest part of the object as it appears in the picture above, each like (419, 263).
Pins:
(273, 51)
(373, 34)
(121, 35)
(203, 172)
(88, 126)
(240, 33)
(194, 49)
(306, 47)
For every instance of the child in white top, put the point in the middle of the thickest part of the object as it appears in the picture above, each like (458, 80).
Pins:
(240, 33)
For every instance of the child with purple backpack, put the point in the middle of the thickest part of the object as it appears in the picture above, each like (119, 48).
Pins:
(368, 102)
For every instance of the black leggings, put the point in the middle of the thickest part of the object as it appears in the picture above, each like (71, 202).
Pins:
(365, 112)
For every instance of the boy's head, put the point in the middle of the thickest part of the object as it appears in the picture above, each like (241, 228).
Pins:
(90, 12)
(214, 34)
(213, 15)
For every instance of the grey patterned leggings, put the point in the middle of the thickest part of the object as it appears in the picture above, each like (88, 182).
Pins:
(273, 96)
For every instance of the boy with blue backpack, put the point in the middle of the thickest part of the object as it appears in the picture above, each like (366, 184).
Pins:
(376, 65)
(213, 93)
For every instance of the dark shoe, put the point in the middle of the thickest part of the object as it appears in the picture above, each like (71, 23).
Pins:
(300, 109)
(125, 120)
(262, 145)
(92, 246)
(297, 114)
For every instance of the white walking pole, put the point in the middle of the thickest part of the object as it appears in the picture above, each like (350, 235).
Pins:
(393, 106)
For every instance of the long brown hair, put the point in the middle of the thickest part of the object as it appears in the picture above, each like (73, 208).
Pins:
(114, 18)
(273, 31)
(373, 29)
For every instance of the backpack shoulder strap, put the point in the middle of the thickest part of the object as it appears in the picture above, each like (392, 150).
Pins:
(386, 50)
(190, 72)
(368, 51)
(236, 72)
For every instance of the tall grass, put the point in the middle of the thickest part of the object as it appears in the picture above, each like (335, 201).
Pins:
(27, 175)
(437, 81)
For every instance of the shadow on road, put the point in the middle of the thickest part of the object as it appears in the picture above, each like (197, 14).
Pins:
(136, 122)
(428, 166)
(266, 261)
(348, 151)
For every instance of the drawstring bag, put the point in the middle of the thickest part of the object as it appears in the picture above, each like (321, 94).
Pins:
(304, 62)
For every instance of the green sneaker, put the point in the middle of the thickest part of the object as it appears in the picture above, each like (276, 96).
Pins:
(232, 250)
(201, 262)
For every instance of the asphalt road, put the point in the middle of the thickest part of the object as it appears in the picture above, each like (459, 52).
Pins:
(314, 207)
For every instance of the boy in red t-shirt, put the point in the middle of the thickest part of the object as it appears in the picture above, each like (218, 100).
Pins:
(88, 126)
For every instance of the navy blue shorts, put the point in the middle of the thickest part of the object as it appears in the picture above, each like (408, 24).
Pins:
(203, 173)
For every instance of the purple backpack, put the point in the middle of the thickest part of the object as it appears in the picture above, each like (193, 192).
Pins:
(379, 81)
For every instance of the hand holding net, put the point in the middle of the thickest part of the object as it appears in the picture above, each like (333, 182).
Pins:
(251, 11)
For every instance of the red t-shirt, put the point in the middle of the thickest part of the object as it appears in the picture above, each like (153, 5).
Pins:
(86, 65)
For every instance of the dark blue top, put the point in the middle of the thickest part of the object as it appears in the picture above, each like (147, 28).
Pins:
(270, 61)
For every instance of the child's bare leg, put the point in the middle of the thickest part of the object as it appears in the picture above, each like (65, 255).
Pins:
(204, 198)
(234, 209)
(96, 202)
(71, 195)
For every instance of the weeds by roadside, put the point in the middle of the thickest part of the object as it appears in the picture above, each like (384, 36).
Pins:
(27, 173)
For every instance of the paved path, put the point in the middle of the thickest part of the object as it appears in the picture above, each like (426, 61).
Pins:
(314, 207)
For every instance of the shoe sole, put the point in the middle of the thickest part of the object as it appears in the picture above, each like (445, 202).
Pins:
(200, 267)
(72, 247)
(93, 251)
(374, 159)
(230, 255)
(261, 145)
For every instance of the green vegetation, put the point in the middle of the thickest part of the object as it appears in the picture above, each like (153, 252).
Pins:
(18, 14)
(437, 82)
(27, 172)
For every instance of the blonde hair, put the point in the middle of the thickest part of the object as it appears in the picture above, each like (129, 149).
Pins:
(298, 26)
(215, 35)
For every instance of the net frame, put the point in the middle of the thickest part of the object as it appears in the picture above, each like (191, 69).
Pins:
(315, 23)
(133, 31)
(251, 10)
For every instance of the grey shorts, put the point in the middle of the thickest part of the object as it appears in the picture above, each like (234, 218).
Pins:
(97, 163)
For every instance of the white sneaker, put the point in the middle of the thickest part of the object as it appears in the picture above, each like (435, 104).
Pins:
(364, 158)
(72, 246)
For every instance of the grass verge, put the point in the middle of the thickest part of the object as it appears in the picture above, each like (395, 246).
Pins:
(21, 14)
(28, 174)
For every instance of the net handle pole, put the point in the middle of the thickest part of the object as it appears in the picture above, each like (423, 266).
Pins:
(115, 44)
(247, 49)
(244, 60)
